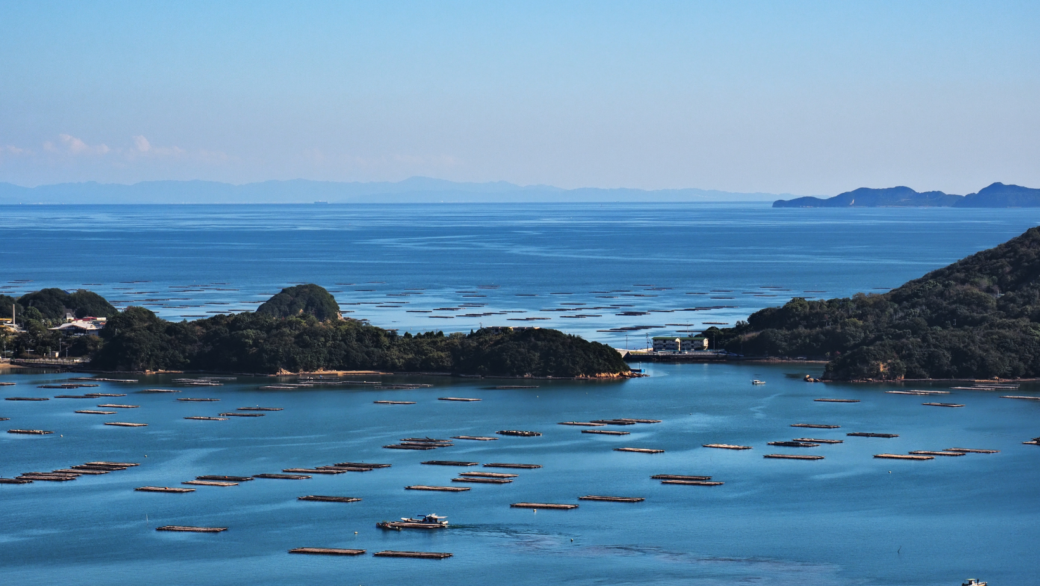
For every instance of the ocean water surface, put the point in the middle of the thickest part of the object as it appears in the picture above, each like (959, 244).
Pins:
(849, 519)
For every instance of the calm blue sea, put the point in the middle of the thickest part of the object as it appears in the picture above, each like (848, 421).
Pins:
(846, 520)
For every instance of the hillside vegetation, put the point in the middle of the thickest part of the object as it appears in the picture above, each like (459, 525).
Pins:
(977, 318)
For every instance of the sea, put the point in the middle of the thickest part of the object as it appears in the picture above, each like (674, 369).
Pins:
(617, 273)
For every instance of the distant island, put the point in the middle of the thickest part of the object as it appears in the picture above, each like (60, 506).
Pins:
(298, 330)
(996, 195)
(978, 318)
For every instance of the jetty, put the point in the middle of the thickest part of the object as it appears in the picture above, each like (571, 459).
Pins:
(562, 507)
(125, 424)
(836, 400)
(190, 529)
(815, 425)
(518, 433)
(461, 399)
(612, 499)
(448, 463)
(282, 476)
(478, 438)
(726, 447)
(605, 432)
(423, 555)
(437, 488)
(869, 434)
(639, 450)
(328, 499)
(508, 465)
(582, 423)
(943, 404)
(163, 489)
(792, 457)
(326, 551)
(481, 480)
(903, 457)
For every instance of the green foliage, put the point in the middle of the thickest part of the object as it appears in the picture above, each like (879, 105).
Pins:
(6, 302)
(53, 303)
(977, 318)
(138, 340)
(302, 300)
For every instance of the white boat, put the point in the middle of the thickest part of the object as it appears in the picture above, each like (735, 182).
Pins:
(758, 382)
(973, 582)
(419, 522)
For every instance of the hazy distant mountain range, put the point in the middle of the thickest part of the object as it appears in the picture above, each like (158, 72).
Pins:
(996, 195)
(414, 190)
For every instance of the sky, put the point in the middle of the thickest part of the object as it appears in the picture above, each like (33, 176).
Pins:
(808, 98)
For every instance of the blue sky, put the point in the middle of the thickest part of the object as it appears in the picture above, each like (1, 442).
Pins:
(795, 97)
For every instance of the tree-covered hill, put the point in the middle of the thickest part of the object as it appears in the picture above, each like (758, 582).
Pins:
(976, 318)
(51, 304)
(302, 300)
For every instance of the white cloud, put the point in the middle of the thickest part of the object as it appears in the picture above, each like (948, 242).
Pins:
(76, 146)
(142, 144)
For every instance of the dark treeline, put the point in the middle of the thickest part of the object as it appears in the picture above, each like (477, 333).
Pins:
(977, 318)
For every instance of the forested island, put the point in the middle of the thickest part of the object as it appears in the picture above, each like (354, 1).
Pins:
(977, 318)
(298, 330)
(996, 195)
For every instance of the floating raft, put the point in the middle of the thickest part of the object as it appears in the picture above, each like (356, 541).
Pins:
(209, 483)
(117, 406)
(424, 555)
(100, 395)
(26, 399)
(190, 529)
(903, 457)
(328, 499)
(795, 444)
(236, 414)
(866, 434)
(87, 472)
(220, 478)
(488, 474)
(463, 399)
(200, 418)
(972, 451)
(693, 482)
(410, 447)
(5, 418)
(935, 453)
(639, 450)
(836, 400)
(394, 402)
(163, 489)
(30, 431)
(479, 438)
(260, 409)
(815, 425)
(679, 477)
(282, 476)
(612, 499)
(508, 465)
(582, 423)
(15, 481)
(48, 476)
(113, 464)
(448, 463)
(792, 457)
(813, 440)
(501, 387)
(1021, 397)
(74, 396)
(7, 384)
(437, 488)
(95, 412)
(157, 391)
(562, 507)
(323, 470)
(518, 433)
(326, 551)
(727, 447)
(361, 465)
(481, 480)
(125, 424)
(943, 404)
(196, 399)
(918, 392)
(605, 432)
